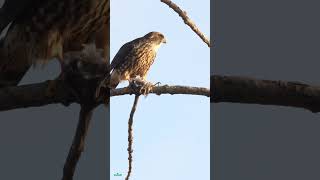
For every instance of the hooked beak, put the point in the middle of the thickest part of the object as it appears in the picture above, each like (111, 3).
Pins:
(164, 41)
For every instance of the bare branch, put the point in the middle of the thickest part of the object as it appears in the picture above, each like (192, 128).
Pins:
(187, 20)
(56, 91)
(130, 134)
(224, 88)
(78, 143)
(166, 89)
(266, 92)
(35, 95)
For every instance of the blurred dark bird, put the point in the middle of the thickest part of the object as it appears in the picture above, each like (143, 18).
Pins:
(43, 30)
(135, 58)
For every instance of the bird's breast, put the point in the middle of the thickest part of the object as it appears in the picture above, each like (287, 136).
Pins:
(141, 62)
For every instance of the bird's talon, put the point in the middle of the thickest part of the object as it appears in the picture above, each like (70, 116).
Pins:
(157, 84)
(142, 91)
(146, 88)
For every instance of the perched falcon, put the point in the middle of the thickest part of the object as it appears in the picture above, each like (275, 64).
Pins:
(43, 29)
(135, 58)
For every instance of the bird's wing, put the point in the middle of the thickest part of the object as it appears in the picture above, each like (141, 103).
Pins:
(123, 52)
(20, 11)
(11, 9)
(10, 12)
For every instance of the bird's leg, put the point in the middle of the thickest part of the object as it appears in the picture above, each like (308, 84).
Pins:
(157, 84)
(147, 87)
(144, 87)
(135, 84)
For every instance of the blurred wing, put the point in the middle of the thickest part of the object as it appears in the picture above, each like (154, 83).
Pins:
(10, 12)
(11, 9)
(15, 52)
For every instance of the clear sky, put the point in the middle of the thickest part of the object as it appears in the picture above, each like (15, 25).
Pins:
(171, 133)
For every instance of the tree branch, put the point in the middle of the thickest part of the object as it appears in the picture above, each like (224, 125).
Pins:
(266, 92)
(187, 20)
(35, 95)
(57, 91)
(166, 89)
(224, 89)
(130, 135)
(78, 143)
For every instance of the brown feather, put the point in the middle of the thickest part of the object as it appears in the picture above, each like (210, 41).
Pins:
(49, 31)
(135, 58)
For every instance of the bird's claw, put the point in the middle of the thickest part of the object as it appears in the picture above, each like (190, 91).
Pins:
(157, 84)
(146, 88)
(134, 86)
(140, 86)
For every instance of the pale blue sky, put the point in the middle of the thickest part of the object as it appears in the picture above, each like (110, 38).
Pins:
(171, 133)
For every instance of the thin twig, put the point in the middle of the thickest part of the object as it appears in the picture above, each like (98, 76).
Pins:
(130, 134)
(78, 143)
(187, 20)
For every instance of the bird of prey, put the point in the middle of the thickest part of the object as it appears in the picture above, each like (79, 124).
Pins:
(134, 58)
(42, 30)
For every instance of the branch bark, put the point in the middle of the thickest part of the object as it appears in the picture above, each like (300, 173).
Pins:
(266, 92)
(56, 91)
(35, 95)
(78, 143)
(232, 89)
(166, 89)
(187, 20)
(130, 135)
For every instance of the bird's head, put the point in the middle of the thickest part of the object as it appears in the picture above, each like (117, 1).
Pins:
(156, 37)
